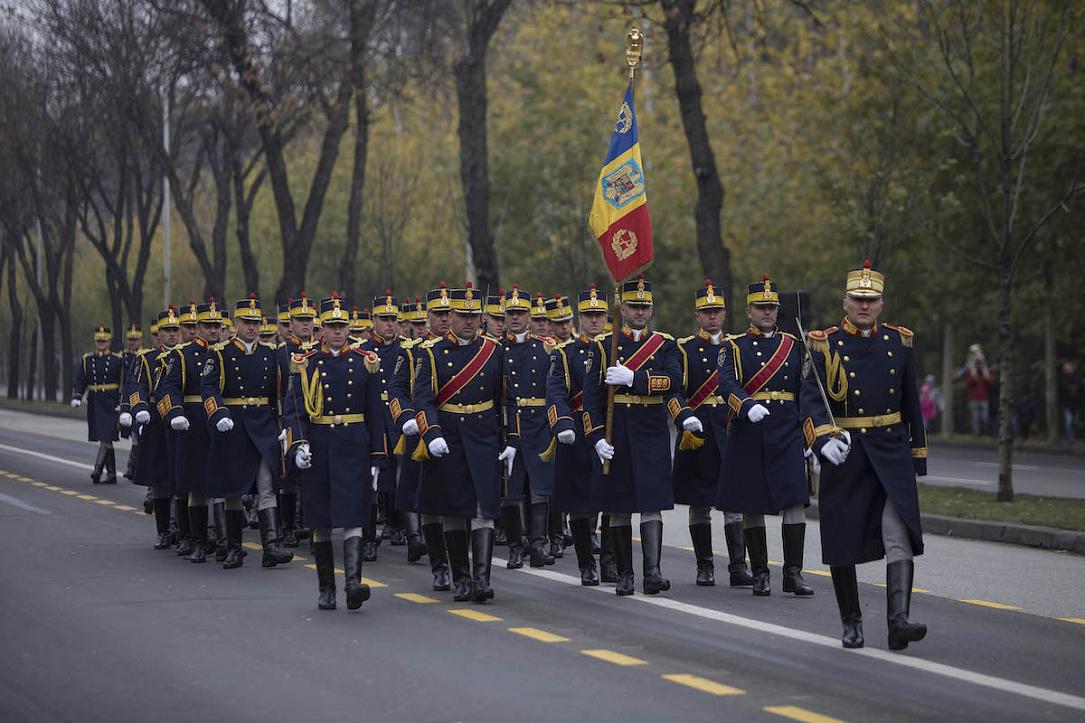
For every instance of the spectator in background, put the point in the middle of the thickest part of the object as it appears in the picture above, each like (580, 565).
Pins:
(927, 406)
(1070, 394)
(939, 402)
(977, 389)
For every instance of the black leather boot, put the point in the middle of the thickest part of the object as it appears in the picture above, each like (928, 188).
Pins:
(581, 529)
(456, 543)
(651, 545)
(300, 530)
(218, 513)
(184, 529)
(162, 522)
(608, 568)
(438, 556)
(482, 552)
(514, 533)
(325, 574)
(898, 599)
(847, 601)
(701, 536)
(251, 518)
(622, 539)
(288, 507)
(537, 517)
(357, 591)
(596, 546)
(758, 547)
(274, 554)
(133, 455)
(416, 545)
(370, 537)
(110, 467)
(197, 518)
(736, 555)
(235, 521)
(99, 463)
(148, 503)
(556, 533)
(794, 536)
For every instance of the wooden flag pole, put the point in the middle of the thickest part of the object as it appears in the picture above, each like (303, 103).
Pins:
(634, 45)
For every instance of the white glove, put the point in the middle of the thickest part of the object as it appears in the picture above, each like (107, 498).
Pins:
(692, 424)
(508, 456)
(567, 436)
(410, 427)
(374, 473)
(76, 402)
(225, 424)
(143, 416)
(619, 376)
(757, 413)
(125, 420)
(438, 447)
(282, 437)
(835, 451)
(303, 458)
(604, 450)
(179, 424)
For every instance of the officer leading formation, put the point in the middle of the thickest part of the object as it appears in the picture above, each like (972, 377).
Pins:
(466, 420)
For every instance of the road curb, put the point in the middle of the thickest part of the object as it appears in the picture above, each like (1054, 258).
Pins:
(1011, 533)
(991, 444)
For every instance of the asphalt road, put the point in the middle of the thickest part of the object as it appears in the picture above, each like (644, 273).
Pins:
(1034, 473)
(96, 625)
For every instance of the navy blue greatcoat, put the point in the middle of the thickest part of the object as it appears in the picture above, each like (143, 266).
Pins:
(764, 467)
(182, 382)
(346, 436)
(574, 464)
(697, 471)
(526, 364)
(246, 388)
(467, 480)
(871, 383)
(401, 408)
(640, 473)
(99, 375)
(128, 359)
(154, 466)
(388, 355)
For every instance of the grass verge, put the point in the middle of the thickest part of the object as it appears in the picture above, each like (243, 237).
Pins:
(1062, 512)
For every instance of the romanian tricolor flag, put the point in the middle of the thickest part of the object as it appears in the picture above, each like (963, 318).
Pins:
(619, 213)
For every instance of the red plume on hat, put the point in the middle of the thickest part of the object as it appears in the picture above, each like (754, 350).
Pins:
(335, 294)
(764, 277)
(866, 263)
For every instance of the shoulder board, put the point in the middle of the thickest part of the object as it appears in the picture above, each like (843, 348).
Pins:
(832, 330)
(182, 345)
(311, 344)
(906, 334)
(219, 346)
(734, 337)
(684, 339)
(565, 343)
(665, 335)
(430, 343)
(411, 343)
(602, 337)
(267, 345)
(86, 355)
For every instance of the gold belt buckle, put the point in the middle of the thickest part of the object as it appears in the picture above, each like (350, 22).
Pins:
(338, 419)
(469, 408)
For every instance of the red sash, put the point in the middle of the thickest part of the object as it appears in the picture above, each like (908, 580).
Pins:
(465, 375)
(576, 403)
(706, 390)
(759, 380)
(650, 347)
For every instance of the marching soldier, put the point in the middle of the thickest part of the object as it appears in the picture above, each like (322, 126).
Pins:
(99, 376)
(525, 360)
(457, 389)
(336, 437)
(540, 322)
(418, 319)
(269, 331)
(560, 314)
(284, 321)
(186, 415)
(647, 370)
(302, 315)
(494, 320)
(573, 468)
(764, 467)
(154, 467)
(133, 338)
(355, 326)
(701, 414)
(868, 498)
(240, 385)
(437, 315)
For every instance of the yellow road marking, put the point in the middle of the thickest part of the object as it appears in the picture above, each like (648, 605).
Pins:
(541, 635)
(612, 657)
(299, 558)
(703, 684)
(416, 598)
(311, 566)
(989, 604)
(52, 488)
(475, 615)
(801, 714)
(822, 573)
(1079, 621)
(36, 484)
(914, 589)
(87, 497)
(687, 549)
(104, 502)
(373, 583)
(251, 546)
(126, 508)
(69, 492)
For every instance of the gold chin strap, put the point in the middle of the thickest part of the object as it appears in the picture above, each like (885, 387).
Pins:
(310, 388)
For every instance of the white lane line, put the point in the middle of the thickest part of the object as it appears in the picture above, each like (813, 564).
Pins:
(47, 457)
(966, 481)
(16, 502)
(948, 671)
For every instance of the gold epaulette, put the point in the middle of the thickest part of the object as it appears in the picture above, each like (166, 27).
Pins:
(602, 336)
(906, 334)
(566, 343)
(818, 340)
(684, 339)
(410, 343)
(299, 361)
(267, 345)
(86, 355)
(665, 335)
(430, 343)
(372, 360)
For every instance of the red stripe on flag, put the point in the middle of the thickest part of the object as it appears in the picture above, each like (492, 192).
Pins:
(627, 244)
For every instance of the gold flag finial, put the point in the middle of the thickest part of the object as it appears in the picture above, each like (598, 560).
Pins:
(634, 44)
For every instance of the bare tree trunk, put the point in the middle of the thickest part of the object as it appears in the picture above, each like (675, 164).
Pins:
(16, 333)
(1006, 337)
(715, 258)
(1051, 402)
(947, 379)
(470, 72)
(361, 21)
